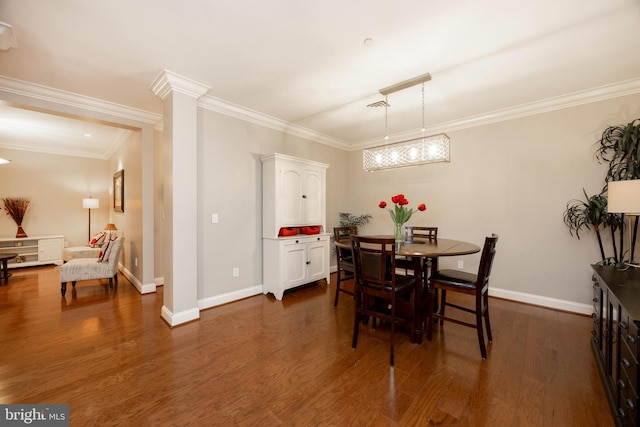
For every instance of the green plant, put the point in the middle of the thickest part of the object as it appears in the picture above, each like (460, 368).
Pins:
(619, 146)
(348, 220)
(591, 213)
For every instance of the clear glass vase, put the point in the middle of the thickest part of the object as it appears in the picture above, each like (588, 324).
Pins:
(399, 233)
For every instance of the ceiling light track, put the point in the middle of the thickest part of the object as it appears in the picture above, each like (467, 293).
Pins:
(405, 84)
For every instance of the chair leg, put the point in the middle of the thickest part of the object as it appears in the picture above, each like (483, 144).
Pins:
(335, 301)
(73, 284)
(430, 309)
(480, 328)
(63, 288)
(111, 282)
(443, 301)
(486, 317)
(356, 322)
(393, 330)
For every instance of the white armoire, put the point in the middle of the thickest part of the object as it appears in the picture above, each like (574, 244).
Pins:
(295, 244)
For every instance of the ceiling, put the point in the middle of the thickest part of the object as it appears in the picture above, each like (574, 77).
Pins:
(308, 65)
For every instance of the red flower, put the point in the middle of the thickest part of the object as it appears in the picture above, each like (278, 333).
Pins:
(397, 198)
(400, 213)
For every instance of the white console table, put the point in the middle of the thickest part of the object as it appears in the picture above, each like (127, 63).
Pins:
(31, 251)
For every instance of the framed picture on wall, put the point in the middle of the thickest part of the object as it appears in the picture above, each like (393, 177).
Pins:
(118, 191)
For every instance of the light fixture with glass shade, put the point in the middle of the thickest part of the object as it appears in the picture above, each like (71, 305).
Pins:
(624, 197)
(411, 152)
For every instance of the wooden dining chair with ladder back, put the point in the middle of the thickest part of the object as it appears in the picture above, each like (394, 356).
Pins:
(414, 232)
(344, 258)
(380, 293)
(476, 285)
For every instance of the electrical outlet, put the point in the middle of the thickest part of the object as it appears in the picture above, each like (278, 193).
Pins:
(460, 264)
(236, 272)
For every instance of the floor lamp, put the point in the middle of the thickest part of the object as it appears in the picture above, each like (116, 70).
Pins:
(89, 204)
(624, 197)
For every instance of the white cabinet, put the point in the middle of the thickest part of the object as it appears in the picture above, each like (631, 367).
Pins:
(32, 251)
(293, 197)
(293, 193)
(294, 261)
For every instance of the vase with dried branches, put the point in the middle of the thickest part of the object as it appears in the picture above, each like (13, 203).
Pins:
(16, 207)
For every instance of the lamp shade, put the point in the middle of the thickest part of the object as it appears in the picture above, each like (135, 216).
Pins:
(624, 197)
(90, 203)
(110, 227)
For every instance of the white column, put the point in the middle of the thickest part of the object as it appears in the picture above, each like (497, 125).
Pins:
(180, 96)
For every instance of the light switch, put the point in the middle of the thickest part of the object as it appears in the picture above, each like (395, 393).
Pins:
(214, 218)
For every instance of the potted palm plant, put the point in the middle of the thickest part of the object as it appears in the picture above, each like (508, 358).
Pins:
(619, 146)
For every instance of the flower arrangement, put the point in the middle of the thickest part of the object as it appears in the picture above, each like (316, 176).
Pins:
(400, 213)
(16, 208)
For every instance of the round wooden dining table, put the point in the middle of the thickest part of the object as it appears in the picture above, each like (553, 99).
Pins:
(419, 250)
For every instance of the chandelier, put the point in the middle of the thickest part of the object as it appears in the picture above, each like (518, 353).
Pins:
(411, 152)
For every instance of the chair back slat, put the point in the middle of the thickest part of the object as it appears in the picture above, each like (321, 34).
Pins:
(343, 233)
(486, 261)
(376, 257)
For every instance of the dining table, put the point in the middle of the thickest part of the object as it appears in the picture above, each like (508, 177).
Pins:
(419, 250)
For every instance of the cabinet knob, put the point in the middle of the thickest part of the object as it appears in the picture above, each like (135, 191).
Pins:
(631, 339)
(308, 262)
(623, 325)
(626, 363)
(630, 404)
(304, 196)
(622, 384)
(297, 241)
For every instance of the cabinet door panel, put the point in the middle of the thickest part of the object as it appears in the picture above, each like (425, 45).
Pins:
(291, 201)
(313, 197)
(295, 265)
(49, 250)
(317, 260)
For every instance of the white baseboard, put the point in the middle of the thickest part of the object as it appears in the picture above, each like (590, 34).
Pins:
(229, 297)
(142, 288)
(175, 319)
(542, 301)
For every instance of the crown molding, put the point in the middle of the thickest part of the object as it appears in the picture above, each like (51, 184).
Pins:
(168, 81)
(44, 93)
(227, 108)
(614, 90)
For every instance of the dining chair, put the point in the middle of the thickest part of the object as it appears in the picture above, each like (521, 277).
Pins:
(380, 293)
(476, 285)
(344, 258)
(423, 233)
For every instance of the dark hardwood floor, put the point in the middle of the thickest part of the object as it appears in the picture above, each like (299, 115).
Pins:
(261, 362)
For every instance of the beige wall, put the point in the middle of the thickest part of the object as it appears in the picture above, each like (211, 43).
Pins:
(513, 178)
(230, 184)
(56, 186)
(128, 158)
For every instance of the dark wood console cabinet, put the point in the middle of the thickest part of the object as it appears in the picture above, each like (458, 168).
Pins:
(616, 318)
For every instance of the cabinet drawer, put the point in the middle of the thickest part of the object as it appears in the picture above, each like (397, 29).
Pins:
(627, 402)
(628, 367)
(629, 333)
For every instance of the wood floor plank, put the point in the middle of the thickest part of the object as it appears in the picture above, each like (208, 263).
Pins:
(259, 361)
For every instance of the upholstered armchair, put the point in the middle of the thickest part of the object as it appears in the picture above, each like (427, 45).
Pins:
(102, 267)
